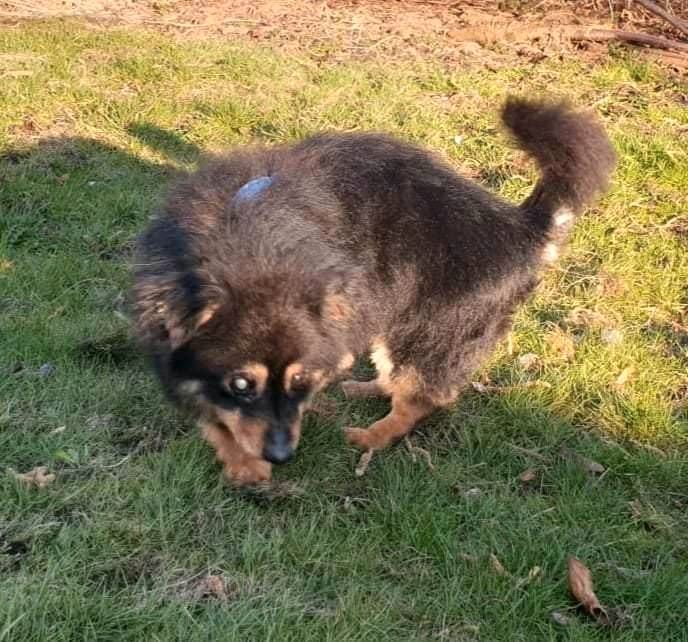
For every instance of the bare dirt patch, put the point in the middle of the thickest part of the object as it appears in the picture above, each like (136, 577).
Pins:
(476, 32)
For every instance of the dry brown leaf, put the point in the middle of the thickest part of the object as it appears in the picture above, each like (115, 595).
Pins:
(210, 586)
(562, 344)
(214, 586)
(612, 336)
(583, 318)
(363, 463)
(580, 583)
(529, 361)
(588, 465)
(591, 466)
(497, 566)
(533, 574)
(527, 475)
(636, 509)
(39, 477)
(560, 618)
(610, 285)
(480, 388)
(625, 376)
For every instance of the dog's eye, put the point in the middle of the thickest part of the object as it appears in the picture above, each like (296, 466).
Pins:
(299, 381)
(241, 385)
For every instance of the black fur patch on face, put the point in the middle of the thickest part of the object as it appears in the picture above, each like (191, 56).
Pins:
(271, 404)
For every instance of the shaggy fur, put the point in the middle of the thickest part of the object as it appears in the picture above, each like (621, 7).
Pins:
(359, 242)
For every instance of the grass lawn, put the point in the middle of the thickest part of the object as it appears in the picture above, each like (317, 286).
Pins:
(93, 126)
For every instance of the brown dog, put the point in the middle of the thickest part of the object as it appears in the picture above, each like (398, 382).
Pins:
(270, 270)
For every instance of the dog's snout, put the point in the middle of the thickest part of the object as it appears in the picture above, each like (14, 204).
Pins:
(278, 448)
(278, 455)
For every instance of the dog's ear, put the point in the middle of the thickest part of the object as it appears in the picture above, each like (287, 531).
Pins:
(169, 312)
(174, 290)
(180, 330)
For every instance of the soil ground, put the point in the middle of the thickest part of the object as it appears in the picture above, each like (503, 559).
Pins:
(475, 32)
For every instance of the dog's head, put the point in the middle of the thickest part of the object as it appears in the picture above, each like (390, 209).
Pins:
(252, 359)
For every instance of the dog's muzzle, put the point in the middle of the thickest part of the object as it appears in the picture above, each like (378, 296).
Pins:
(277, 448)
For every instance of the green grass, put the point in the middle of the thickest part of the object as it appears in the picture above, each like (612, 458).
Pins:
(93, 126)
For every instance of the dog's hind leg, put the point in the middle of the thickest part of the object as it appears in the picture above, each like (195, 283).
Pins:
(412, 400)
(357, 389)
(378, 387)
(405, 414)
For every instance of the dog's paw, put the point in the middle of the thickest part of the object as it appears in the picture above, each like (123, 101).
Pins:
(359, 437)
(249, 472)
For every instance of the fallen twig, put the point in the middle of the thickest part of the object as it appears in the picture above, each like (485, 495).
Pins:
(642, 39)
(529, 453)
(673, 223)
(421, 451)
(487, 388)
(200, 25)
(363, 463)
(674, 21)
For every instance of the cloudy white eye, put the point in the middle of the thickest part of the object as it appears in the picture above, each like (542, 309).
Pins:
(240, 385)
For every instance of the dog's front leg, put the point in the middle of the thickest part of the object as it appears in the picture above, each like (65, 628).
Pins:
(239, 467)
(405, 414)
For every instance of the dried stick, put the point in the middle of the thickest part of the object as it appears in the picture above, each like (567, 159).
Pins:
(607, 35)
(675, 21)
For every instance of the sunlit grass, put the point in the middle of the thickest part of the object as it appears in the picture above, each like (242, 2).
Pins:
(92, 131)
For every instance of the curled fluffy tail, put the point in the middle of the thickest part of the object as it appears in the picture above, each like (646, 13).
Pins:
(574, 154)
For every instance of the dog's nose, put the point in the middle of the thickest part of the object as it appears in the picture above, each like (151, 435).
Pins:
(278, 455)
(278, 448)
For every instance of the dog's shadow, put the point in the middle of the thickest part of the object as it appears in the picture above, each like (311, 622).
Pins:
(79, 203)
(169, 144)
(88, 198)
